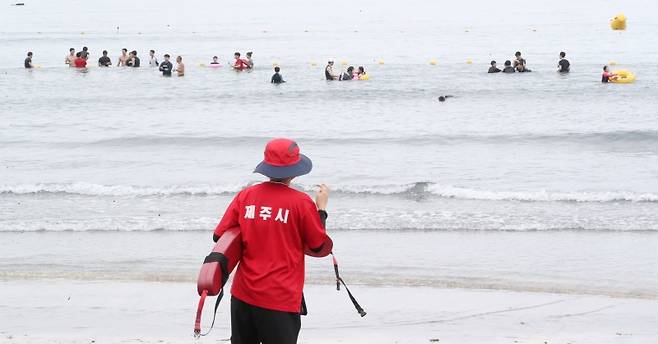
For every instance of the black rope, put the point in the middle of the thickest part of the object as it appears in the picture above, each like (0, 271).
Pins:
(339, 280)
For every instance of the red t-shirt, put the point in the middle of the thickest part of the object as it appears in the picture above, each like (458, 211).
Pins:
(80, 62)
(276, 223)
(240, 64)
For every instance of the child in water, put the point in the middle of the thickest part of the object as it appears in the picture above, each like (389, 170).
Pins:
(277, 78)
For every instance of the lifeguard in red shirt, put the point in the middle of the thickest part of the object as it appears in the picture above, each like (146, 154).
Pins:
(240, 64)
(279, 225)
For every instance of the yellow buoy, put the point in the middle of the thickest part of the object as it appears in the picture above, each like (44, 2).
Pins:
(469, 61)
(202, 65)
(380, 61)
(314, 64)
(343, 62)
(612, 63)
(433, 62)
(618, 22)
(623, 77)
(275, 64)
(364, 77)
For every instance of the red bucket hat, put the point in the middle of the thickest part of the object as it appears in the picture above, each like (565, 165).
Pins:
(282, 159)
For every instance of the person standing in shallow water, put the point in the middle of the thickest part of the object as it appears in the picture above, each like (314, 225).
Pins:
(70, 57)
(104, 61)
(607, 75)
(281, 225)
(123, 58)
(508, 67)
(563, 65)
(28, 61)
(329, 71)
(180, 69)
(277, 78)
(166, 67)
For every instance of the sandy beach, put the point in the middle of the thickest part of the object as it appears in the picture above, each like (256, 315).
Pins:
(72, 312)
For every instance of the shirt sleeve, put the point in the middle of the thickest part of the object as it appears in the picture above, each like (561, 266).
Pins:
(229, 220)
(313, 232)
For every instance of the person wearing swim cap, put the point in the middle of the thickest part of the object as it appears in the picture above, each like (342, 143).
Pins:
(329, 71)
(279, 225)
(508, 67)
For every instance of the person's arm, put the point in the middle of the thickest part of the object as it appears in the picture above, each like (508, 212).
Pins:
(229, 220)
(272, 80)
(315, 234)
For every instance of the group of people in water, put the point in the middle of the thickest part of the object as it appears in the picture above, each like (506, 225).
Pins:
(349, 74)
(130, 59)
(517, 66)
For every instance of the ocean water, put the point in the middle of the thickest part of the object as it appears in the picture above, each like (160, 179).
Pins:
(525, 182)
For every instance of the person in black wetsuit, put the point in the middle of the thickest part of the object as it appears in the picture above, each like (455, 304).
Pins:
(348, 75)
(493, 68)
(508, 67)
(104, 61)
(28, 61)
(329, 71)
(563, 65)
(166, 67)
(277, 78)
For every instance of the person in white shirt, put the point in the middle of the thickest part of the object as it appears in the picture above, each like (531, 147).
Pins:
(153, 61)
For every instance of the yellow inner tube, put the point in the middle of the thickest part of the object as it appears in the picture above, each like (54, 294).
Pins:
(618, 22)
(623, 77)
(364, 77)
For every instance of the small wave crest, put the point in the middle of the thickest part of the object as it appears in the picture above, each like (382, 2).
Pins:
(415, 191)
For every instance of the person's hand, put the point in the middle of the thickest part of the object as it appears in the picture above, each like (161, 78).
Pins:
(322, 197)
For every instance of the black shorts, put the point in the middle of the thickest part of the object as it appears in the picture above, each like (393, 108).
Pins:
(254, 325)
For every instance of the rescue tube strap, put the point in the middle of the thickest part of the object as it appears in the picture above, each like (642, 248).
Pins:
(223, 263)
(339, 280)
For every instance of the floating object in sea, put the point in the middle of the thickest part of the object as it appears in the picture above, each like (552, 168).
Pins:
(618, 22)
(380, 61)
(612, 63)
(469, 61)
(623, 77)
(343, 62)
(433, 62)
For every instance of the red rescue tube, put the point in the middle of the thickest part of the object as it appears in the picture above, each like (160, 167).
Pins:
(216, 268)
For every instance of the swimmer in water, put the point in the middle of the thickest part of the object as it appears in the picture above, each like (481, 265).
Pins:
(563, 65)
(348, 75)
(180, 69)
(520, 63)
(360, 73)
(166, 66)
(104, 61)
(493, 68)
(607, 76)
(81, 60)
(70, 57)
(239, 64)
(28, 61)
(277, 78)
(508, 67)
(329, 71)
(123, 58)
(153, 61)
(443, 98)
(249, 61)
(215, 60)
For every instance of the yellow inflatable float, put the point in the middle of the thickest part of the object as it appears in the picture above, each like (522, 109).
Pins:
(618, 22)
(623, 77)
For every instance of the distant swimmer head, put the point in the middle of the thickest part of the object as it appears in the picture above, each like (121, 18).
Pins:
(152, 52)
(104, 52)
(249, 54)
(237, 55)
(605, 68)
(562, 54)
(361, 70)
(166, 57)
(517, 54)
(508, 63)
(134, 52)
(215, 58)
(72, 50)
(331, 61)
(179, 59)
(277, 69)
(29, 54)
(124, 50)
(493, 63)
(350, 69)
